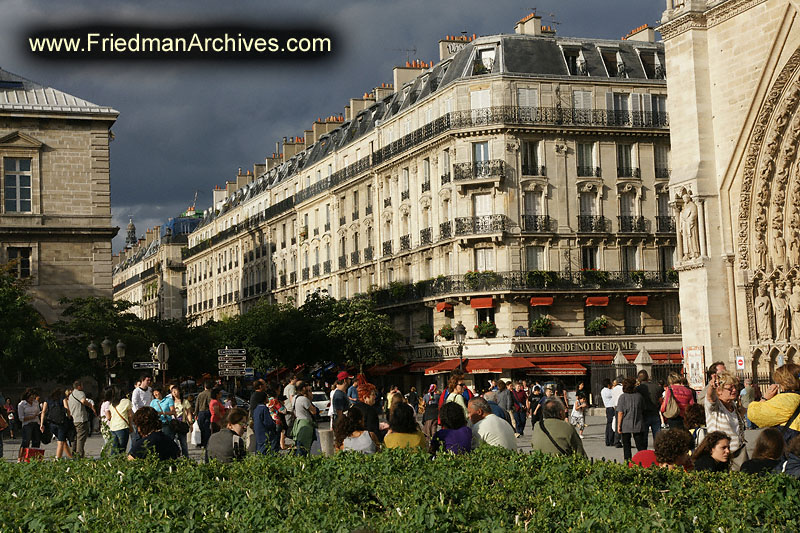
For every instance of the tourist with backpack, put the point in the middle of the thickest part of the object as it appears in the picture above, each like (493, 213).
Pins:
(54, 414)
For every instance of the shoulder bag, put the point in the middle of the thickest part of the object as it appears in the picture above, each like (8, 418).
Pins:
(549, 436)
(672, 409)
(786, 430)
(127, 423)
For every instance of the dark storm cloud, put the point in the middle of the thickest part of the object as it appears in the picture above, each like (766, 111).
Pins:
(189, 126)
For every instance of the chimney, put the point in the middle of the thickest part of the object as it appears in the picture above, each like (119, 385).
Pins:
(357, 105)
(230, 188)
(292, 146)
(217, 196)
(273, 161)
(259, 169)
(452, 44)
(308, 136)
(386, 89)
(405, 74)
(529, 25)
(242, 179)
(643, 33)
(347, 115)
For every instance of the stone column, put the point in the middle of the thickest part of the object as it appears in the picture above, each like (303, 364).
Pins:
(701, 226)
(676, 214)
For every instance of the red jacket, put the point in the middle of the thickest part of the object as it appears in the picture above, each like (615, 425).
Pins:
(683, 395)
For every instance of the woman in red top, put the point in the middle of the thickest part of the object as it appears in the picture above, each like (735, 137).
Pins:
(217, 410)
(682, 394)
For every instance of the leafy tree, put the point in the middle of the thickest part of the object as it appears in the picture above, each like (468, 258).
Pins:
(25, 337)
(361, 335)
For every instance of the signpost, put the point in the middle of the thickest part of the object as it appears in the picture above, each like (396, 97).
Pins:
(138, 365)
(232, 362)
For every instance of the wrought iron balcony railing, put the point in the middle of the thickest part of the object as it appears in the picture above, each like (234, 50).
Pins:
(589, 172)
(283, 280)
(327, 227)
(628, 172)
(535, 223)
(533, 170)
(662, 173)
(387, 202)
(355, 258)
(445, 178)
(632, 224)
(404, 195)
(342, 261)
(355, 214)
(304, 273)
(445, 230)
(405, 242)
(425, 236)
(665, 224)
(426, 186)
(368, 210)
(315, 270)
(494, 168)
(480, 224)
(326, 266)
(368, 253)
(342, 221)
(592, 224)
(292, 278)
(387, 248)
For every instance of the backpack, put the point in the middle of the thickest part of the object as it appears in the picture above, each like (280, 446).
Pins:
(56, 414)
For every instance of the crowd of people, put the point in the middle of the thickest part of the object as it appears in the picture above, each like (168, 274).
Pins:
(694, 430)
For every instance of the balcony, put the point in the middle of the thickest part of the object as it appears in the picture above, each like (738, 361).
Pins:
(592, 224)
(425, 236)
(480, 225)
(292, 277)
(445, 178)
(632, 224)
(326, 266)
(355, 258)
(405, 195)
(342, 221)
(387, 202)
(480, 171)
(634, 330)
(387, 248)
(445, 230)
(405, 243)
(304, 274)
(589, 172)
(426, 186)
(342, 261)
(368, 210)
(316, 232)
(665, 224)
(533, 170)
(315, 270)
(662, 173)
(355, 214)
(628, 172)
(671, 329)
(535, 223)
(368, 253)
(219, 300)
(327, 227)
(283, 280)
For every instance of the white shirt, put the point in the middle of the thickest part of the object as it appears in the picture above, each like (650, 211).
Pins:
(718, 418)
(616, 392)
(494, 431)
(141, 398)
(608, 397)
(25, 409)
(290, 391)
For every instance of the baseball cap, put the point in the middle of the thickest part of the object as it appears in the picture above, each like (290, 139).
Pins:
(343, 375)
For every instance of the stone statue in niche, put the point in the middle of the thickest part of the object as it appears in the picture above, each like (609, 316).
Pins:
(689, 229)
(780, 307)
(761, 253)
(780, 250)
(794, 249)
(794, 308)
(763, 308)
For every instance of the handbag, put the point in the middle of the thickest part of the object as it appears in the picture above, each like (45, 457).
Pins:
(179, 426)
(672, 408)
(197, 436)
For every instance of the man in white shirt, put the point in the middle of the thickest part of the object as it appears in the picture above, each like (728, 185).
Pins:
(142, 395)
(611, 408)
(616, 392)
(488, 427)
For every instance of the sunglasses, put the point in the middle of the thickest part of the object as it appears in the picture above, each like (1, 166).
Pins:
(460, 384)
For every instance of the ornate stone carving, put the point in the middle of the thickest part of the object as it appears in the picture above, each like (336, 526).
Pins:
(445, 194)
(689, 229)
(682, 24)
(763, 312)
(425, 201)
(780, 308)
(794, 308)
(404, 209)
(729, 10)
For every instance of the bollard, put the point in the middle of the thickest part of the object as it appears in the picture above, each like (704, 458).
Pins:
(326, 441)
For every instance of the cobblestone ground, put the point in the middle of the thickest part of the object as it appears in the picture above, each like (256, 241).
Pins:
(593, 442)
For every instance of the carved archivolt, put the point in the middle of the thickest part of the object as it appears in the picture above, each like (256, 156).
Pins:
(387, 215)
(769, 214)
(367, 222)
(404, 209)
(445, 194)
(425, 201)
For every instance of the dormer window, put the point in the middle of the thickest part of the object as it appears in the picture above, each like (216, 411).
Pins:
(576, 63)
(484, 61)
(653, 68)
(613, 63)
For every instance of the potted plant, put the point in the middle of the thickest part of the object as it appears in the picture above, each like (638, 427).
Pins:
(425, 332)
(592, 276)
(637, 277)
(447, 332)
(672, 276)
(486, 279)
(597, 326)
(541, 326)
(540, 279)
(486, 329)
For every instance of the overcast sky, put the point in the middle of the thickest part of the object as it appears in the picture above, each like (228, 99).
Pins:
(189, 126)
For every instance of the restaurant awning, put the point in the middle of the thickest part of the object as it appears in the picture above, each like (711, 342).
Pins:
(596, 301)
(443, 367)
(541, 300)
(416, 367)
(557, 369)
(382, 370)
(444, 306)
(637, 300)
(495, 365)
(481, 303)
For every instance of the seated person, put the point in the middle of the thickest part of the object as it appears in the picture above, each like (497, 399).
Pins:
(404, 432)
(553, 434)
(713, 454)
(152, 440)
(768, 452)
(791, 465)
(489, 428)
(349, 433)
(227, 445)
(671, 450)
(455, 436)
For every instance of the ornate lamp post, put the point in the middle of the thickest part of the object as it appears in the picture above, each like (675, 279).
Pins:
(460, 335)
(107, 346)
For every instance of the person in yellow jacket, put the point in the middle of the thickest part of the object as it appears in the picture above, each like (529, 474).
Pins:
(776, 409)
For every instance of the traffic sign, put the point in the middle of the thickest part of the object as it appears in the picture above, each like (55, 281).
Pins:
(231, 351)
(249, 372)
(232, 372)
(739, 362)
(232, 358)
(145, 364)
(162, 352)
(241, 365)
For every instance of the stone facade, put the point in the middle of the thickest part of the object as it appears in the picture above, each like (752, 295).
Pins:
(735, 126)
(55, 215)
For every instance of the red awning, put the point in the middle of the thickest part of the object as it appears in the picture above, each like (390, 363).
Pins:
(419, 367)
(444, 306)
(596, 301)
(496, 365)
(382, 370)
(557, 369)
(481, 303)
(541, 300)
(637, 300)
(441, 368)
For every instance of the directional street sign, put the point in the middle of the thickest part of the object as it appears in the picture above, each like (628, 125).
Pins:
(232, 351)
(232, 358)
(145, 364)
(249, 372)
(241, 365)
(232, 372)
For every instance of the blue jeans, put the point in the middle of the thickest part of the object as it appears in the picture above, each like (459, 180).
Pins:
(520, 417)
(181, 437)
(119, 440)
(652, 423)
(204, 421)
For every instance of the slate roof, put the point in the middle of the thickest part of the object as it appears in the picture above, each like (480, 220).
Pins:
(20, 94)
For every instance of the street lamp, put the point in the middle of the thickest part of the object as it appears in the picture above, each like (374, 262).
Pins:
(460, 335)
(107, 346)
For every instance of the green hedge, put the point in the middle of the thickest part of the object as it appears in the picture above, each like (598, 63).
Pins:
(488, 490)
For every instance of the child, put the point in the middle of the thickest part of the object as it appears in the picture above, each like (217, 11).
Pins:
(578, 416)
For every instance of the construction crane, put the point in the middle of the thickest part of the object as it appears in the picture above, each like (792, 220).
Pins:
(194, 203)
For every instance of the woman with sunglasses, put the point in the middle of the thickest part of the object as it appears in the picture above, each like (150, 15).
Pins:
(723, 414)
(456, 387)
